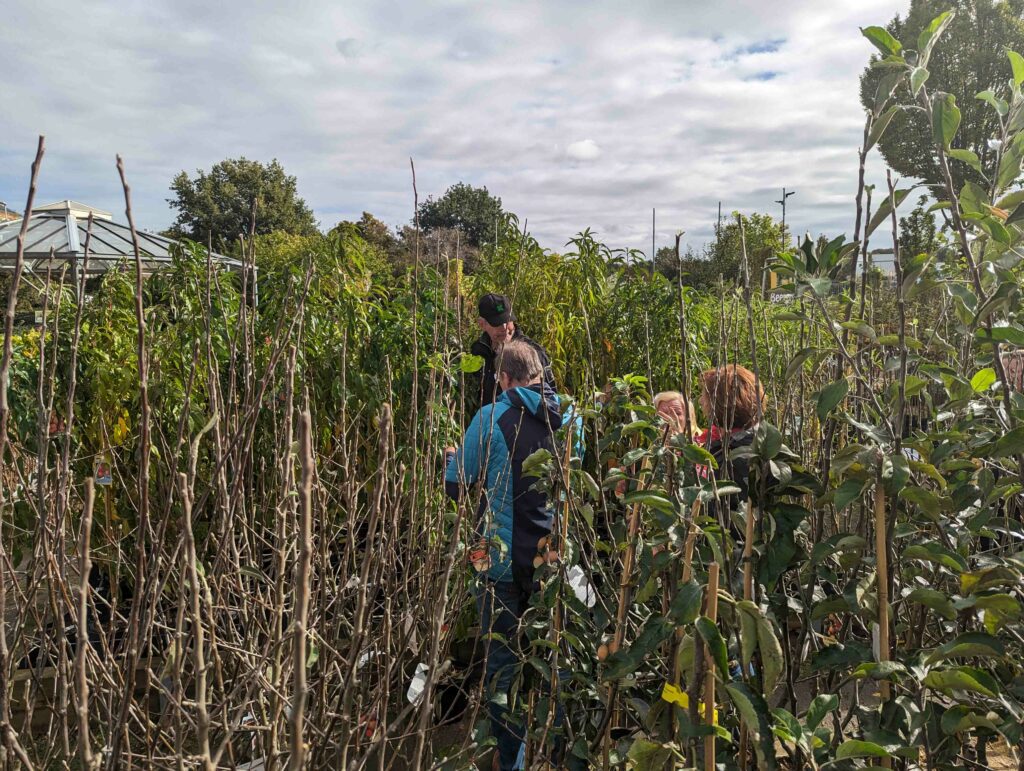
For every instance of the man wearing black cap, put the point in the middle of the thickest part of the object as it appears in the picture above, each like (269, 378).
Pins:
(498, 325)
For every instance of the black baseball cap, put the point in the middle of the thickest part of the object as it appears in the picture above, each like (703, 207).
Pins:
(496, 309)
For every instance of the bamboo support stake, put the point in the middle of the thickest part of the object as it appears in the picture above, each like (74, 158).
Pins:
(748, 594)
(748, 554)
(709, 677)
(627, 570)
(688, 545)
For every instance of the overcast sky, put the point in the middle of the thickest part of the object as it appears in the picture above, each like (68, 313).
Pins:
(577, 114)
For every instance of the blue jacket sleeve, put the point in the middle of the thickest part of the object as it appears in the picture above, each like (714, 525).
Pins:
(466, 466)
(573, 422)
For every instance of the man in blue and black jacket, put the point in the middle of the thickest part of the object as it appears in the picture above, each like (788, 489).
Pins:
(513, 518)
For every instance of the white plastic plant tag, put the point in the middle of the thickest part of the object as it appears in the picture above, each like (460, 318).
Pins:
(418, 684)
(365, 657)
(581, 586)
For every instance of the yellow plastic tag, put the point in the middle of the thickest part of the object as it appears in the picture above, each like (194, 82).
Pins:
(678, 696)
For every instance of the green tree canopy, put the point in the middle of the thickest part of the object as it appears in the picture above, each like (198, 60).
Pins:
(724, 256)
(218, 204)
(971, 59)
(473, 210)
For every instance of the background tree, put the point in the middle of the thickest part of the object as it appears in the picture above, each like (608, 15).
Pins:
(378, 236)
(971, 59)
(473, 210)
(724, 256)
(918, 233)
(218, 204)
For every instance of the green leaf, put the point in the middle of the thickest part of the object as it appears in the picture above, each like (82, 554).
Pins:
(830, 396)
(860, 328)
(882, 39)
(969, 644)
(647, 591)
(959, 679)
(772, 659)
(797, 363)
(1009, 444)
(880, 124)
(934, 599)
(959, 718)
(930, 503)
(788, 728)
(930, 35)
(996, 230)
(886, 85)
(933, 552)
(685, 605)
(748, 613)
(855, 748)
(715, 644)
(973, 200)
(999, 609)
(989, 97)
(895, 473)
(754, 711)
(694, 453)
(1017, 65)
(848, 492)
(983, 380)
(470, 363)
(819, 708)
(988, 578)
(885, 209)
(767, 441)
(967, 156)
(652, 500)
(820, 285)
(945, 118)
(1010, 162)
(827, 607)
(1005, 333)
(649, 756)
(917, 79)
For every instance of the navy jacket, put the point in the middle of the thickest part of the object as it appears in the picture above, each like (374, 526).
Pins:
(513, 517)
(487, 387)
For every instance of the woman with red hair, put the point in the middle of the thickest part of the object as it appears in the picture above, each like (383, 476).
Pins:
(733, 402)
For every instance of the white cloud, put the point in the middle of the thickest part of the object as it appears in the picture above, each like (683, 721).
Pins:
(584, 150)
(692, 103)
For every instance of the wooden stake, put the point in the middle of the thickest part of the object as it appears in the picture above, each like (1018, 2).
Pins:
(748, 594)
(709, 677)
(748, 555)
(627, 570)
(691, 540)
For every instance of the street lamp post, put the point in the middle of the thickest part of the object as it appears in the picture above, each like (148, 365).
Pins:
(764, 270)
(785, 195)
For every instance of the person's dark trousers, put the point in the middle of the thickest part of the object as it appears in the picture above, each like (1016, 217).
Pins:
(502, 605)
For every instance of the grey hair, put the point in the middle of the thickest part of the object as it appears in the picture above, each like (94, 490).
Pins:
(519, 361)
